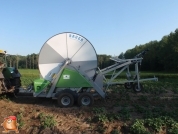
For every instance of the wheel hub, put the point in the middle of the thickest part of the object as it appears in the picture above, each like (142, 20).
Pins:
(85, 100)
(65, 101)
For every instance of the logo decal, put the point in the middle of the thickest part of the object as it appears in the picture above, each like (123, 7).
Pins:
(66, 76)
(76, 37)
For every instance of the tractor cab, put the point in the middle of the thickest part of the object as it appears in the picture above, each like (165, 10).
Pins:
(2, 55)
(9, 76)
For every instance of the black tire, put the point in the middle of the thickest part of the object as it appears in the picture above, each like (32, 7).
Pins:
(18, 82)
(85, 99)
(136, 88)
(128, 85)
(65, 100)
(74, 94)
(15, 82)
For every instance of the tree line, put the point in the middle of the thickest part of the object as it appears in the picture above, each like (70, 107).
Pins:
(162, 56)
(31, 61)
(23, 62)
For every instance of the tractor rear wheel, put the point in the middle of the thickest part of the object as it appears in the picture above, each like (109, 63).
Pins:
(85, 99)
(16, 82)
(65, 99)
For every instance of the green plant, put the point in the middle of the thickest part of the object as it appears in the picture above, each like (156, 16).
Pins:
(115, 131)
(100, 118)
(100, 115)
(19, 120)
(4, 97)
(171, 125)
(138, 127)
(173, 131)
(98, 110)
(155, 123)
(110, 117)
(125, 113)
(47, 121)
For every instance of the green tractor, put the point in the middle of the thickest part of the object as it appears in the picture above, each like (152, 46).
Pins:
(9, 76)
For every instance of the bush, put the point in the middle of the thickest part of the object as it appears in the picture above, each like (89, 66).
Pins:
(138, 127)
(47, 121)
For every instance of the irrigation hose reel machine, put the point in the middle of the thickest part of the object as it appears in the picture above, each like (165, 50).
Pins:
(69, 71)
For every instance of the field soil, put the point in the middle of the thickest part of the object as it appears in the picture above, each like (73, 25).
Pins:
(81, 120)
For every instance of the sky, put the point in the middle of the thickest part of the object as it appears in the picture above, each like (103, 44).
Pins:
(112, 26)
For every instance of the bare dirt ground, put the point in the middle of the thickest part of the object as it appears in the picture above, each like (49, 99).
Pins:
(69, 120)
(74, 120)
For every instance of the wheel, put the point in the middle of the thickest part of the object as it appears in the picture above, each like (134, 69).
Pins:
(136, 88)
(85, 99)
(73, 93)
(15, 82)
(128, 85)
(65, 100)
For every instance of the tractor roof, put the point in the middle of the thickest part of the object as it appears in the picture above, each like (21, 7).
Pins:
(2, 52)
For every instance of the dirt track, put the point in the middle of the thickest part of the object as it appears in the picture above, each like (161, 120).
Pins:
(82, 120)
(69, 120)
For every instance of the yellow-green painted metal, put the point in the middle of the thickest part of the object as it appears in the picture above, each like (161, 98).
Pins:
(40, 84)
(72, 79)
